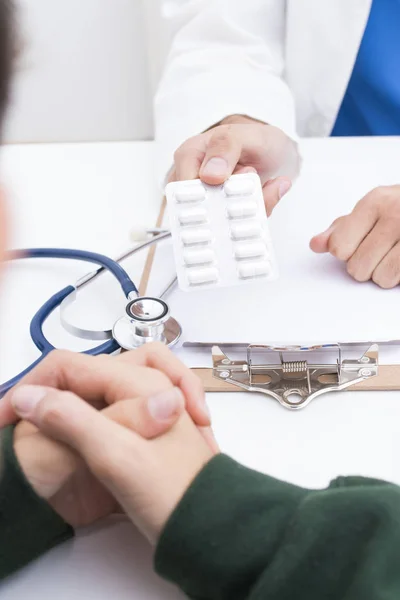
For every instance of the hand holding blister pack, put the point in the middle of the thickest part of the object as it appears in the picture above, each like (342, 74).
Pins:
(220, 233)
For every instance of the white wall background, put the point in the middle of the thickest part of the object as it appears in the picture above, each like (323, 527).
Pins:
(87, 70)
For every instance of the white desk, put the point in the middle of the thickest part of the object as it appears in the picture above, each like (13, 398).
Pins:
(89, 196)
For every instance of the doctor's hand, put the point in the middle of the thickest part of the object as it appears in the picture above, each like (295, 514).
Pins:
(135, 395)
(147, 478)
(368, 239)
(238, 145)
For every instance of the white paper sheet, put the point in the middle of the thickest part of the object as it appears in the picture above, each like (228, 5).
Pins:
(315, 300)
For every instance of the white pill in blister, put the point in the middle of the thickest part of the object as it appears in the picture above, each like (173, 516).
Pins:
(190, 194)
(242, 231)
(198, 257)
(198, 275)
(200, 235)
(249, 250)
(254, 269)
(239, 187)
(238, 210)
(220, 233)
(192, 215)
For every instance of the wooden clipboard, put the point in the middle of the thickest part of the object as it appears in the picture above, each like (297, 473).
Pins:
(144, 281)
(388, 378)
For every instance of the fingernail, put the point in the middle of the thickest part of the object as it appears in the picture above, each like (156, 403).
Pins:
(165, 405)
(216, 167)
(284, 187)
(26, 397)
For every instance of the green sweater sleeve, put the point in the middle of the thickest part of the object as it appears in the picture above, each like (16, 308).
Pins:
(239, 534)
(28, 525)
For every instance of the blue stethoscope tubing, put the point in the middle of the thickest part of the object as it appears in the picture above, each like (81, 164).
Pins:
(36, 326)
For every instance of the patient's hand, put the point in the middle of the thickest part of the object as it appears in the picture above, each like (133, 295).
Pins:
(136, 395)
(147, 477)
(368, 239)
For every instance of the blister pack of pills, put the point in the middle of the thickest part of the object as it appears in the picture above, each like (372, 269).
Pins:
(220, 233)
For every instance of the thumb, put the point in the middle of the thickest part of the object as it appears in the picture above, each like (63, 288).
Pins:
(149, 417)
(222, 155)
(66, 417)
(320, 242)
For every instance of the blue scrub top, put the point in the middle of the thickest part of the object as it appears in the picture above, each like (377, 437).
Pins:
(371, 105)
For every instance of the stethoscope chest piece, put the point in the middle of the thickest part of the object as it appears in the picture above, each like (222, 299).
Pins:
(147, 320)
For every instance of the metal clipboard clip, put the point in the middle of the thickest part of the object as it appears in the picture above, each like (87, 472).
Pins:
(290, 374)
(293, 383)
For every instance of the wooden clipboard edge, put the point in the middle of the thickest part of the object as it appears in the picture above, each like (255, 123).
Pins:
(144, 280)
(388, 379)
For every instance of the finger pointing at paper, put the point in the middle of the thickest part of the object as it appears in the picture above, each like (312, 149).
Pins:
(368, 239)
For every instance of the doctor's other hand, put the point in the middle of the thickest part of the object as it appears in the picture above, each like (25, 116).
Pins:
(368, 239)
(237, 145)
(146, 477)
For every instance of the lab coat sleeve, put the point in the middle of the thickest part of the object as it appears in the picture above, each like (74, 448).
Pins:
(226, 57)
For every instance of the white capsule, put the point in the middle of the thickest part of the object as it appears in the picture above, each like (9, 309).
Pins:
(248, 270)
(192, 215)
(239, 210)
(249, 250)
(243, 231)
(239, 186)
(202, 256)
(196, 235)
(195, 193)
(199, 275)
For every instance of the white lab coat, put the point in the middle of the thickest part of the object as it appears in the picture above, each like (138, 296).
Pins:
(284, 62)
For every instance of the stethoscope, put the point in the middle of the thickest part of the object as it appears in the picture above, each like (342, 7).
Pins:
(146, 319)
